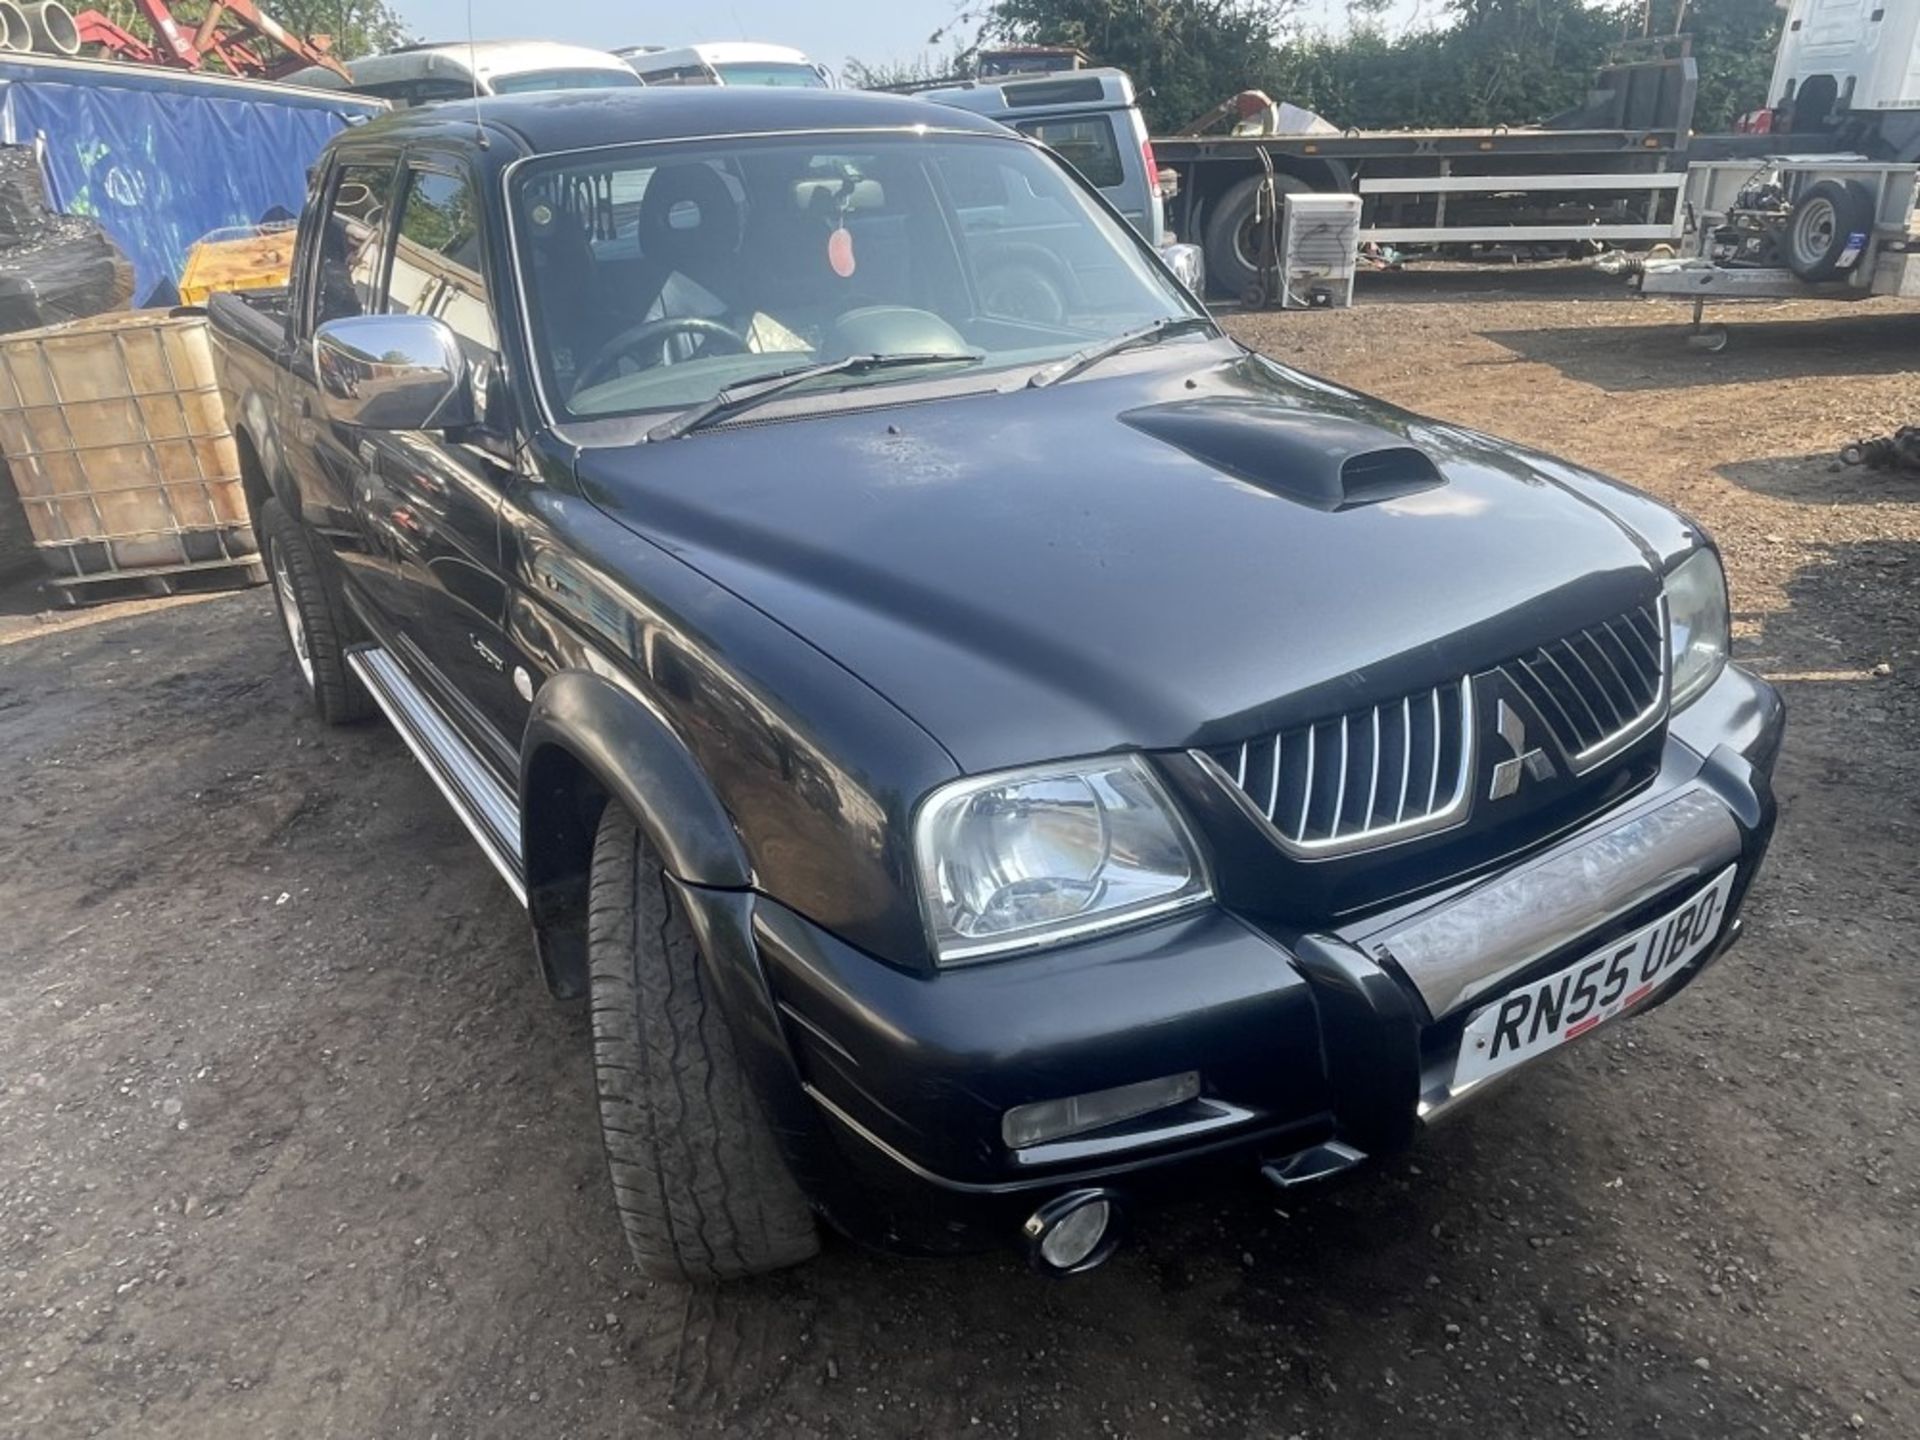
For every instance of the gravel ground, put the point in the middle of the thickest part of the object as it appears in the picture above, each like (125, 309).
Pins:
(293, 1145)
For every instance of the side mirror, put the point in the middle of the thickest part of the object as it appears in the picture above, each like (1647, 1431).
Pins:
(1188, 264)
(392, 372)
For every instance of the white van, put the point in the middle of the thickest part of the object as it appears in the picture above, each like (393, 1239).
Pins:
(1091, 118)
(417, 74)
(726, 62)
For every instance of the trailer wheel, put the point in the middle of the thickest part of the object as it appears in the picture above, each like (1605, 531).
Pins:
(1823, 222)
(1233, 249)
(1710, 338)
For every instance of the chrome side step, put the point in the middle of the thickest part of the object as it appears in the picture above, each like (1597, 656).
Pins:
(482, 802)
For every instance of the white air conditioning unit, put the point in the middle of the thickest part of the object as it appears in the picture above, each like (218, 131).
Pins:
(1319, 250)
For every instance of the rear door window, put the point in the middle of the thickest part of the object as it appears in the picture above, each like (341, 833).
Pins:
(1086, 144)
(353, 242)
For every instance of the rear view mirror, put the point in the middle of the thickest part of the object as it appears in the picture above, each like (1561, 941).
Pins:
(392, 372)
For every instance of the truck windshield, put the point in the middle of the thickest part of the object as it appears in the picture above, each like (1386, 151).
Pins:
(577, 79)
(770, 72)
(658, 277)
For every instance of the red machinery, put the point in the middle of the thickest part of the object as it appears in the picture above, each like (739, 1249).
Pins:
(231, 32)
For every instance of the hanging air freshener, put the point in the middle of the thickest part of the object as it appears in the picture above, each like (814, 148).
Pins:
(840, 252)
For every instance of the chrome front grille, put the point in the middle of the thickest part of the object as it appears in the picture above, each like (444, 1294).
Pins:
(1405, 768)
(1369, 777)
(1599, 689)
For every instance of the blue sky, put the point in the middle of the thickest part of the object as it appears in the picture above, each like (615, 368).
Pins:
(828, 30)
(871, 30)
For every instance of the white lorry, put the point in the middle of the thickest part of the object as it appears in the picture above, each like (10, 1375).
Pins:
(1851, 67)
(1829, 211)
(726, 62)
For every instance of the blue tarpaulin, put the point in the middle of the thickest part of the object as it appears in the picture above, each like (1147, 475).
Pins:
(160, 157)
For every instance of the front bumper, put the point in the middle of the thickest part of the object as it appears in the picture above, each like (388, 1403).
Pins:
(887, 1088)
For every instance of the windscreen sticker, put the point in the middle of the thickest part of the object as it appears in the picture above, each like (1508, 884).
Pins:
(840, 252)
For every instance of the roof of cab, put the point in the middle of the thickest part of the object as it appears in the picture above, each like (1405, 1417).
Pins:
(459, 60)
(716, 52)
(1037, 93)
(584, 119)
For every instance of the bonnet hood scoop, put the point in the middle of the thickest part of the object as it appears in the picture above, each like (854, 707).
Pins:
(1326, 462)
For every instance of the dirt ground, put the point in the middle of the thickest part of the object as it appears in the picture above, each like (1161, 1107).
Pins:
(292, 1145)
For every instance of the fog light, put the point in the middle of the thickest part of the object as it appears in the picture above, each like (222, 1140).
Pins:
(1045, 1120)
(1074, 1232)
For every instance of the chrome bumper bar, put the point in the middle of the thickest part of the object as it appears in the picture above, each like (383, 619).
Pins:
(1466, 947)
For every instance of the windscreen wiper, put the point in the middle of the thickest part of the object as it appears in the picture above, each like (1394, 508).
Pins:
(744, 397)
(1127, 340)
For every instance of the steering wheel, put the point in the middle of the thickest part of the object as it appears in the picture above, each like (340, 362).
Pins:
(651, 339)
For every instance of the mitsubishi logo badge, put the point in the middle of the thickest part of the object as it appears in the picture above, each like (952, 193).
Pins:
(1525, 761)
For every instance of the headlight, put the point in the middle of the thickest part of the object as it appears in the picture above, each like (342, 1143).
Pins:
(1030, 857)
(1697, 624)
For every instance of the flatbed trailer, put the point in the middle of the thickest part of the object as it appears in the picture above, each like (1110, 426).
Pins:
(1804, 220)
(1607, 174)
(1859, 239)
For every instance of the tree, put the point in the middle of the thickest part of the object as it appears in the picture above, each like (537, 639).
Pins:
(1492, 62)
(356, 27)
(1496, 62)
(1185, 55)
(923, 69)
(1733, 43)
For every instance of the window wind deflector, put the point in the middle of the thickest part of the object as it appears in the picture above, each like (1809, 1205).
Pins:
(1127, 340)
(744, 397)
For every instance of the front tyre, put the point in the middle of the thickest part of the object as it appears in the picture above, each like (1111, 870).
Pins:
(313, 629)
(702, 1191)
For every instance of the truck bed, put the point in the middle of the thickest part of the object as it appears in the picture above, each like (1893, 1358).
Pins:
(1423, 144)
(248, 329)
(257, 317)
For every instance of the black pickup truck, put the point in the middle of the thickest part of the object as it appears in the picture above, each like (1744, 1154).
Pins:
(982, 767)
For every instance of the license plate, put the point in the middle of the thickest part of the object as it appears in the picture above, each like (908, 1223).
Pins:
(1546, 1013)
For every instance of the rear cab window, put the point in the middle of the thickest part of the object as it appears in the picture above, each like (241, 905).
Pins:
(437, 267)
(408, 93)
(1086, 143)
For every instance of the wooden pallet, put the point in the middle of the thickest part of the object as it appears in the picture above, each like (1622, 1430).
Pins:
(72, 591)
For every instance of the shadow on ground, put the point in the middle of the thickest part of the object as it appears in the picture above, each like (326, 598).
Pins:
(20, 595)
(1824, 480)
(1854, 606)
(1622, 359)
(297, 1146)
(1445, 283)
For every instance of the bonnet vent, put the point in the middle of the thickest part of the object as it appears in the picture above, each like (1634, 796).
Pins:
(1327, 462)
